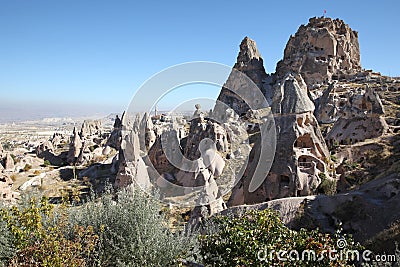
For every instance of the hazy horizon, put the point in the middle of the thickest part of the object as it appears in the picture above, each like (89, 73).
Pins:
(64, 58)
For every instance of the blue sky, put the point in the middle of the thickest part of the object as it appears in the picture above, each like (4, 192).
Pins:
(90, 56)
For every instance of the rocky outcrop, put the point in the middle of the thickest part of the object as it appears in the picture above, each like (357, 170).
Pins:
(327, 110)
(91, 128)
(75, 147)
(131, 166)
(46, 146)
(300, 154)
(365, 212)
(250, 63)
(6, 185)
(360, 118)
(323, 50)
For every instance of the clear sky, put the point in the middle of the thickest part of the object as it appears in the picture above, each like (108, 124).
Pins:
(59, 56)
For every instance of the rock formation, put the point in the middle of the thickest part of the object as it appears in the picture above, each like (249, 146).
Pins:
(131, 166)
(360, 118)
(327, 110)
(323, 50)
(90, 128)
(74, 147)
(6, 185)
(301, 151)
(43, 147)
(250, 63)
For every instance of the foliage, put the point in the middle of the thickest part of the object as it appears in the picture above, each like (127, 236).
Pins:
(132, 232)
(38, 235)
(239, 240)
(46, 163)
(7, 250)
(327, 186)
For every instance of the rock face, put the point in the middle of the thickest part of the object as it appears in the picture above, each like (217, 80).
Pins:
(6, 184)
(327, 110)
(320, 51)
(300, 154)
(249, 62)
(43, 147)
(131, 166)
(74, 147)
(360, 118)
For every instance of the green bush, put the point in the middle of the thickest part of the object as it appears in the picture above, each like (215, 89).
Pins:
(46, 163)
(132, 232)
(37, 233)
(7, 250)
(248, 239)
(327, 185)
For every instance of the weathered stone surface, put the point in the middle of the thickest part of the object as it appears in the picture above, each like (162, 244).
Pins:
(131, 165)
(300, 154)
(327, 110)
(250, 63)
(320, 51)
(6, 185)
(360, 118)
(43, 147)
(291, 96)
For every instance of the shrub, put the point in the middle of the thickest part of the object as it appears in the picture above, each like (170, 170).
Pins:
(7, 250)
(239, 240)
(46, 163)
(327, 185)
(132, 231)
(38, 235)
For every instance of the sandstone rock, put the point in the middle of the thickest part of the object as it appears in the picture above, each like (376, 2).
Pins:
(323, 50)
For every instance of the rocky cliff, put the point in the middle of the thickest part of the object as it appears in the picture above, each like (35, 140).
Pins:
(320, 51)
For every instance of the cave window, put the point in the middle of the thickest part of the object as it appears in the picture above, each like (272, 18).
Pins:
(4, 195)
(284, 181)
